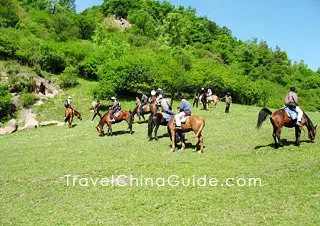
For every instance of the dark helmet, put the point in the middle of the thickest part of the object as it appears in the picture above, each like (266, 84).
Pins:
(292, 89)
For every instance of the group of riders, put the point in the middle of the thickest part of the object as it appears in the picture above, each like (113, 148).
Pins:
(184, 109)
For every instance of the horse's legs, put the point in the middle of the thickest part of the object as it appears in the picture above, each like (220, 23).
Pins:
(298, 133)
(201, 143)
(182, 140)
(156, 131)
(144, 119)
(173, 140)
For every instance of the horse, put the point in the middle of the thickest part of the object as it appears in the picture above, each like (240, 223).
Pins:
(123, 115)
(194, 123)
(154, 122)
(150, 108)
(69, 114)
(213, 98)
(280, 118)
(97, 108)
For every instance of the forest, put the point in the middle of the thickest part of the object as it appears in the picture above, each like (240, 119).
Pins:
(131, 46)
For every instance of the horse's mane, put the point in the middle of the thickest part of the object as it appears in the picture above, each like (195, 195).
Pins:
(309, 122)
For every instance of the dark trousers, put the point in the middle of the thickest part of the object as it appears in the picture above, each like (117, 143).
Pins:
(112, 112)
(227, 108)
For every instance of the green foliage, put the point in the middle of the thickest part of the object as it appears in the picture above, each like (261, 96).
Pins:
(6, 107)
(167, 46)
(27, 99)
(8, 13)
(68, 78)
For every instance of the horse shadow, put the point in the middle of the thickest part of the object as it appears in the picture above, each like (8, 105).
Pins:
(121, 132)
(285, 143)
(189, 145)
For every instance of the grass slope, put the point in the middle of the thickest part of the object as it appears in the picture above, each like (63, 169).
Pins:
(34, 190)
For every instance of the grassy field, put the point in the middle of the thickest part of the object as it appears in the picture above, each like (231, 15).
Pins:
(34, 189)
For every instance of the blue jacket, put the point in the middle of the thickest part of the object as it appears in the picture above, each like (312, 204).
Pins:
(185, 106)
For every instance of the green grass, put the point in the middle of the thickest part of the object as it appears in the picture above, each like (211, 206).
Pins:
(34, 190)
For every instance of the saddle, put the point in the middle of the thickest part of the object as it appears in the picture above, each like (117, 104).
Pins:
(291, 113)
(117, 113)
(184, 119)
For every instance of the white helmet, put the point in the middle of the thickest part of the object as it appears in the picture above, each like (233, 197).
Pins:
(113, 98)
(69, 97)
(153, 93)
(202, 88)
(159, 89)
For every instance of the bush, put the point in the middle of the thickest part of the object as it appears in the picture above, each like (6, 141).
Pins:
(68, 79)
(27, 99)
(6, 107)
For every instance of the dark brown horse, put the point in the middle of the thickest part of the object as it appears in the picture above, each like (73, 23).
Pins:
(154, 122)
(279, 118)
(69, 113)
(194, 123)
(123, 115)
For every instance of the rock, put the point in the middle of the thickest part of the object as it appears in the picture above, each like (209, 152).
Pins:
(38, 103)
(11, 127)
(61, 124)
(31, 123)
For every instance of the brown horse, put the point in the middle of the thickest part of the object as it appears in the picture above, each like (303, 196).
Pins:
(213, 99)
(69, 113)
(124, 115)
(279, 118)
(194, 123)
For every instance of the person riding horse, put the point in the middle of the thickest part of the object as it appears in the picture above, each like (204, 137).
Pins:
(165, 105)
(159, 96)
(114, 108)
(67, 105)
(144, 102)
(185, 110)
(291, 101)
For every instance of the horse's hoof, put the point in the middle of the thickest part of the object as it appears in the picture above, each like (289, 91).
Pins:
(172, 150)
(156, 138)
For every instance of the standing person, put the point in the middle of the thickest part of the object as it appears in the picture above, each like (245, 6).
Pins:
(96, 109)
(291, 101)
(184, 110)
(228, 100)
(165, 105)
(114, 108)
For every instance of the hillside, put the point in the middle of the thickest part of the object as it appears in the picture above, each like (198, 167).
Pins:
(162, 46)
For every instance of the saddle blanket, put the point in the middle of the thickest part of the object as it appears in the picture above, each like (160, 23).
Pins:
(291, 113)
(144, 106)
(117, 113)
(184, 119)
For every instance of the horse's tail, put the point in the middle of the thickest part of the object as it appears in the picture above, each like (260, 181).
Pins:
(262, 116)
(150, 124)
(200, 130)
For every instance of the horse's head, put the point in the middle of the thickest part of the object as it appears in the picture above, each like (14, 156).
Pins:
(312, 134)
(77, 114)
(100, 130)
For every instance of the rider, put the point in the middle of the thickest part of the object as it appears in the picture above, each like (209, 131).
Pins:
(144, 101)
(209, 92)
(114, 108)
(185, 110)
(291, 101)
(165, 105)
(160, 95)
(153, 95)
(67, 105)
(96, 108)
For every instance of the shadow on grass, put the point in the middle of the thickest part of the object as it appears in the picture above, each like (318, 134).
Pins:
(285, 143)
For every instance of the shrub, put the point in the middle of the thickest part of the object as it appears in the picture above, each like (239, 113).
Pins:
(6, 107)
(68, 79)
(27, 99)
